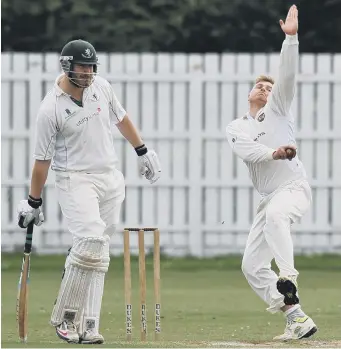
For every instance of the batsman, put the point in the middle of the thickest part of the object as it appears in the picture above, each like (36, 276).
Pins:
(264, 139)
(74, 136)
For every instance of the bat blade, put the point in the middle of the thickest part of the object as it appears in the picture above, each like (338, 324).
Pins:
(22, 297)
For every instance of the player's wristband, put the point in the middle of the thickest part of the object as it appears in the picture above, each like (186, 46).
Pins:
(141, 150)
(33, 202)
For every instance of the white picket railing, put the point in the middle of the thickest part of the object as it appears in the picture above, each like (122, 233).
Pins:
(204, 202)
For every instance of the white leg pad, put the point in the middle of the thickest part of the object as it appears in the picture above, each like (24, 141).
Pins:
(83, 263)
(89, 318)
(92, 308)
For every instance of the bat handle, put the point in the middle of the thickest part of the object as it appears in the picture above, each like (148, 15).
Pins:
(28, 240)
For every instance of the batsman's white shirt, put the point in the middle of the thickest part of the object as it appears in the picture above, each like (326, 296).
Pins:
(78, 139)
(255, 139)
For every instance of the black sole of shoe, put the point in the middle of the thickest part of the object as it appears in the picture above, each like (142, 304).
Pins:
(288, 289)
(310, 333)
(90, 343)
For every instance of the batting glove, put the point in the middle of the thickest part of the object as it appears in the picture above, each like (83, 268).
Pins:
(29, 210)
(149, 163)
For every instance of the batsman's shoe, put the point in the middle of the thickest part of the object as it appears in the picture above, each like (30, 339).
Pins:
(288, 288)
(300, 327)
(67, 331)
(90, 336)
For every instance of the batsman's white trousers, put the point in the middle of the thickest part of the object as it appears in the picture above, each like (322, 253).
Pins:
(90, 203)
(270, 238)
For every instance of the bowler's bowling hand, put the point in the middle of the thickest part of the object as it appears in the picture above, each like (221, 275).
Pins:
(291, 153)
(285, 152)
(290, 26)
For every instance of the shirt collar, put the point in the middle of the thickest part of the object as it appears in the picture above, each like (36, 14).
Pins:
(59, 91)
(248, 116)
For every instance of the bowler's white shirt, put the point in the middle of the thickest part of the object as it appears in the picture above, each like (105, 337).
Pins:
(255, 139)
(78, 138)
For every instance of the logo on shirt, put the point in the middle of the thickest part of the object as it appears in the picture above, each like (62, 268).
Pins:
(85, 119)
(87, 53)
(88, 118)
(69, 113)
(259, 135)
(95, 97)
(261, 117)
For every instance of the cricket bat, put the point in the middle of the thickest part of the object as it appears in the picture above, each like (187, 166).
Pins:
(22, 298)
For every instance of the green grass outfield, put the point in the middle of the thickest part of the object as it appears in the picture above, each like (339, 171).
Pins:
(204, 303)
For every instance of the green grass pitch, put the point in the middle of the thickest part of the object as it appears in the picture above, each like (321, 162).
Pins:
(204, 303)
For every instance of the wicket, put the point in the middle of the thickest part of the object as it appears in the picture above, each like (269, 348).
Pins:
(142, 282)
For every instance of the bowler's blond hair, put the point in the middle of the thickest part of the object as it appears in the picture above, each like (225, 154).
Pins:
(266, 78)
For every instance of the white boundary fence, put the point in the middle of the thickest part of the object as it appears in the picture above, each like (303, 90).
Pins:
(182, 104)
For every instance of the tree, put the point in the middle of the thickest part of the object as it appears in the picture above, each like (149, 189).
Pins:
(168, 25)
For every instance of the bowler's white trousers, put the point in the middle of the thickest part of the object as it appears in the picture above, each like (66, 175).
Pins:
(270, 238)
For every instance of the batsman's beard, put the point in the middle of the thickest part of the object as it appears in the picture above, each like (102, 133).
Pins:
(81, 80)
